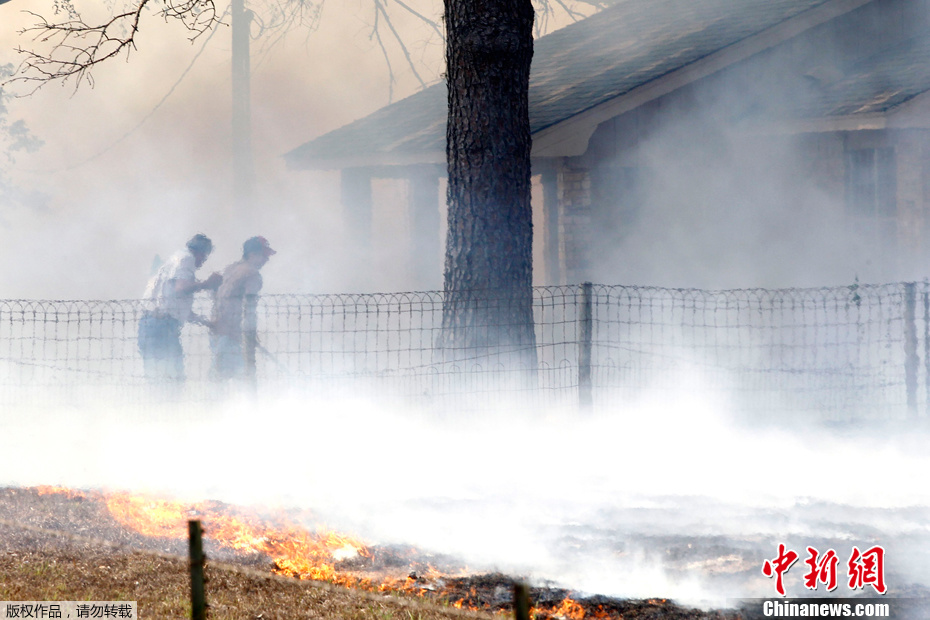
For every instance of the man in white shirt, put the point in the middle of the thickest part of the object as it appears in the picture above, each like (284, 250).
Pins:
(169, 299)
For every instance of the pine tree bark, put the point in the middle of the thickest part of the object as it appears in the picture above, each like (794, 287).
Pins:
(488, 307)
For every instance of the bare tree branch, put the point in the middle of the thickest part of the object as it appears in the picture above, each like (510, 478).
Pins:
(400, 41)
(575, 15)
(73, 47)
(280, 17)
(546, 10)
(429, 22)
(376, 33)
(77, 47)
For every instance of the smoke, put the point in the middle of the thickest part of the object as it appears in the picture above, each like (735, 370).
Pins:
(129, 179)
(710, 186)
(747, 178)
(666, 496)
(720, 209)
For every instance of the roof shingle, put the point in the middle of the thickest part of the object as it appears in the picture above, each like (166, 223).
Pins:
(606, 56)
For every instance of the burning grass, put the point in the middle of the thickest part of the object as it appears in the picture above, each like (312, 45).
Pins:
(252, 557)
(66, 568)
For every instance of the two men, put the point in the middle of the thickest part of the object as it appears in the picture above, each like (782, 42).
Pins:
(169, 300)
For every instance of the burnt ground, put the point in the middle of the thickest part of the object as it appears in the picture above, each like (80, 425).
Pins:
(60, 547)
(39, 565)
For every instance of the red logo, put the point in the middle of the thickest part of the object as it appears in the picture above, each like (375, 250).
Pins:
(865, 568)
(823, 571)
(779, 566)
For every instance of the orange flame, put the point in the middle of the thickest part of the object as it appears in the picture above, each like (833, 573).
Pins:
(569, 609)
(293, 550)
(45, 489)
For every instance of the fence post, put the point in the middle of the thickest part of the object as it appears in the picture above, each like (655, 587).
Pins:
(911, 361)
(926, 300)
(521, 601)
(250, 330)
(585, 336)
(198, 598)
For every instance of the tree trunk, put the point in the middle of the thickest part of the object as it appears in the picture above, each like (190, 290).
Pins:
(488, 308)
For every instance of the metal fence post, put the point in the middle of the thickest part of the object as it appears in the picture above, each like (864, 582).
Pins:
(198, 598)
(911, 361)
(585, 336)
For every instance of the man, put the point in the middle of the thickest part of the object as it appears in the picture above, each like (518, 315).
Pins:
(234, 321)
(169, 298)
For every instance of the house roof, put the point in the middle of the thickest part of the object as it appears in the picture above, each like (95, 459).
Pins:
(590, 63)
(875, 84)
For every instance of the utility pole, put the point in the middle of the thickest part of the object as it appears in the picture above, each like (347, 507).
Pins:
(243, 167)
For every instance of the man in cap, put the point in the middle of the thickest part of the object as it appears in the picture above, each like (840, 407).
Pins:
(234, 320)
(169, 299)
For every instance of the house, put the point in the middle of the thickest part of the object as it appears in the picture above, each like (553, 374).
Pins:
(696, 143)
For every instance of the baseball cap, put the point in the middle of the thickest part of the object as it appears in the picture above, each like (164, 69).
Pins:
(257, 244)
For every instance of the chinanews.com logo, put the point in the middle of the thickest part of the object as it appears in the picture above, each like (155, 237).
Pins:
(860, 571)
(823, 608)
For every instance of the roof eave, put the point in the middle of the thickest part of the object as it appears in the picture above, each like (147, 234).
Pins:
(569, 138)
(911, 114)
(365, 161)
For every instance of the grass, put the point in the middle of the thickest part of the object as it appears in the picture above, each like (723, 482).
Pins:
(45, 566)
(100, 560)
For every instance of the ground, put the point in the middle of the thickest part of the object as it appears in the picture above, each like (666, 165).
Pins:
(54, 546)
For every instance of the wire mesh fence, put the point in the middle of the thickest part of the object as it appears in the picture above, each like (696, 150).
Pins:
(842, 352)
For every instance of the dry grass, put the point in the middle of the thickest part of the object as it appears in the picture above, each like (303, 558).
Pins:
(46, 566)
(62, 546)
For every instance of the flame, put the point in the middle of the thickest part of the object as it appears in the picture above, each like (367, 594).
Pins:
(150, 517)
(293, 550)
(569, 608)
(45, 489)
(600, 612)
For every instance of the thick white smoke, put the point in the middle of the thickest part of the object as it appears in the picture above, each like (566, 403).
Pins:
(595, 502)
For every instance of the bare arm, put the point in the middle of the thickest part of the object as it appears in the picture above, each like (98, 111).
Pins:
(183, 287)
